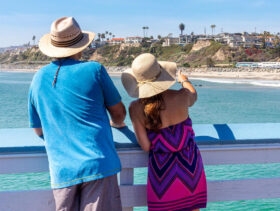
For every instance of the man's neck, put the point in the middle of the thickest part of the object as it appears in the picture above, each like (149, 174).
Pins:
(76, 56)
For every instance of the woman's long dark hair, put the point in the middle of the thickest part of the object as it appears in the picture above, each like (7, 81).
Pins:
(152, 107)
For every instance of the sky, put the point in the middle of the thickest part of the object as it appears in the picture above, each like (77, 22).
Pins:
(20, 20)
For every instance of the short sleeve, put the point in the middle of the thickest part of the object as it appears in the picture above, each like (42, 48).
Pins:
(34, 120)
(110, 92)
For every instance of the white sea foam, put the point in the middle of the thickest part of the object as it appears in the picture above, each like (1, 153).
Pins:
(269, 83)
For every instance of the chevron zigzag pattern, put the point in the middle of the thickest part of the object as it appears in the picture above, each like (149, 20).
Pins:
(174, 156)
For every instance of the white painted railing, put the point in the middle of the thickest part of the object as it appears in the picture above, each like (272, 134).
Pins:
(135, 195)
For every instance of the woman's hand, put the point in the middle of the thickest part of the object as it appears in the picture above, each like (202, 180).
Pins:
(181, 77)
(117, 125)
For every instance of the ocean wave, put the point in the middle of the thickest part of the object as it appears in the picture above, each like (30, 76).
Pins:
(269, 83)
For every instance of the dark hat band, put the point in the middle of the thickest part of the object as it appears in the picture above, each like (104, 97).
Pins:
(68, 42)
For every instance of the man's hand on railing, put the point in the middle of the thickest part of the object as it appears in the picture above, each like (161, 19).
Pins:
(117, 125)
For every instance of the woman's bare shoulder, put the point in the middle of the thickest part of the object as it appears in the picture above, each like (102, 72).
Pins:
(177, 98)
(135, 107)
(134, 104)
(177, 94)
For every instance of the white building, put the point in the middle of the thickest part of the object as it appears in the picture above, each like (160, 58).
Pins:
(185, 39)
(171, 41)
(269, 64)
(133, 39)
(259, 64)
(250, 41)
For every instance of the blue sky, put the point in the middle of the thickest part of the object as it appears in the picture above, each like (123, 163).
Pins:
(20, 20)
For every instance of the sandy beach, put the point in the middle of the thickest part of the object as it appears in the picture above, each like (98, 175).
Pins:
(236, 75)
(221, 73)
(229, 75)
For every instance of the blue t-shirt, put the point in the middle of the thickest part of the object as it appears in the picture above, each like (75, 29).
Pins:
(76, 128)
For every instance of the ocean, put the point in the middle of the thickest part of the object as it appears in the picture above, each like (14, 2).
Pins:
(219, 101)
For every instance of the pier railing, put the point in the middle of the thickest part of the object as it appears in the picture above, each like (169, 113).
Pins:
(219, 145)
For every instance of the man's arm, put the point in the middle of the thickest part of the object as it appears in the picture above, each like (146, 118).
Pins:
(38, 131)
(117, 113)
(34, 119)
(112, 99)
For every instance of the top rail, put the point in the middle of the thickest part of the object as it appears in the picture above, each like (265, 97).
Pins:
(21, 151)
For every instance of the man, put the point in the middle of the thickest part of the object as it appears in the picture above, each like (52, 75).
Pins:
(68, 104)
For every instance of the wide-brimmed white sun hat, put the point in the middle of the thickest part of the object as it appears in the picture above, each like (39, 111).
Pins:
(65, 39)
(148, 77)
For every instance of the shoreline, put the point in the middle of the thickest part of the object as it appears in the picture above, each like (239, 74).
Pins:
(226, 75)
(210, 73)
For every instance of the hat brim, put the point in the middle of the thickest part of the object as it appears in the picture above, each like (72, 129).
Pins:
(50, 50)
(164, 81)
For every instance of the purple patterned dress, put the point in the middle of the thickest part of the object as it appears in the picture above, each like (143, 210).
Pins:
(176, 178)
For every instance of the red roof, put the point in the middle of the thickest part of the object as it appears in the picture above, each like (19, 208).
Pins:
(117, 39)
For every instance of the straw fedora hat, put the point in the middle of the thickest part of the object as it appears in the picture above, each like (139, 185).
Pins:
(148, 77)
(66, 39)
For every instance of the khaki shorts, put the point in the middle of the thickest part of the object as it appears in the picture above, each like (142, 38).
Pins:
(96, 195)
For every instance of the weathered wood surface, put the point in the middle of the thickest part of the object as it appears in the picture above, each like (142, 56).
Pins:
(212, 155)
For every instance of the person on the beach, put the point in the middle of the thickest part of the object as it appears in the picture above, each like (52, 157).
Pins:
(68, 104)
(160, 117)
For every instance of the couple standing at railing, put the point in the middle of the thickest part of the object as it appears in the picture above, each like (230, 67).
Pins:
(68, 104)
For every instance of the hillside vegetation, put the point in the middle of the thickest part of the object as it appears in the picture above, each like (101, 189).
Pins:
(215, 53)
(190, 55)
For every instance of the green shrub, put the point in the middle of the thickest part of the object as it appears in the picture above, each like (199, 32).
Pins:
(187, 48)
(186, 65)
(210, 62)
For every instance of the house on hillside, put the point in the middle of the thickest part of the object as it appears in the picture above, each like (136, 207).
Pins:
(250, 40)
(272, 41)
(98, 43)
(233, 40)
(133, 39)
(222, 38)
(116, 41)
(171, 41)
(185, 39)
(244, 39)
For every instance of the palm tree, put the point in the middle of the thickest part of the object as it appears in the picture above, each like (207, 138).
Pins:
(182, 28)
(213, 26)
(103, 36)
(159, 37)
(265, 35)
(110, 34)
(147, 30)
(33, 38)
(144, 30)
(99, 36)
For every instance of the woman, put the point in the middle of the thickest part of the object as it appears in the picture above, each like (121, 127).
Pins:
(160, 117)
